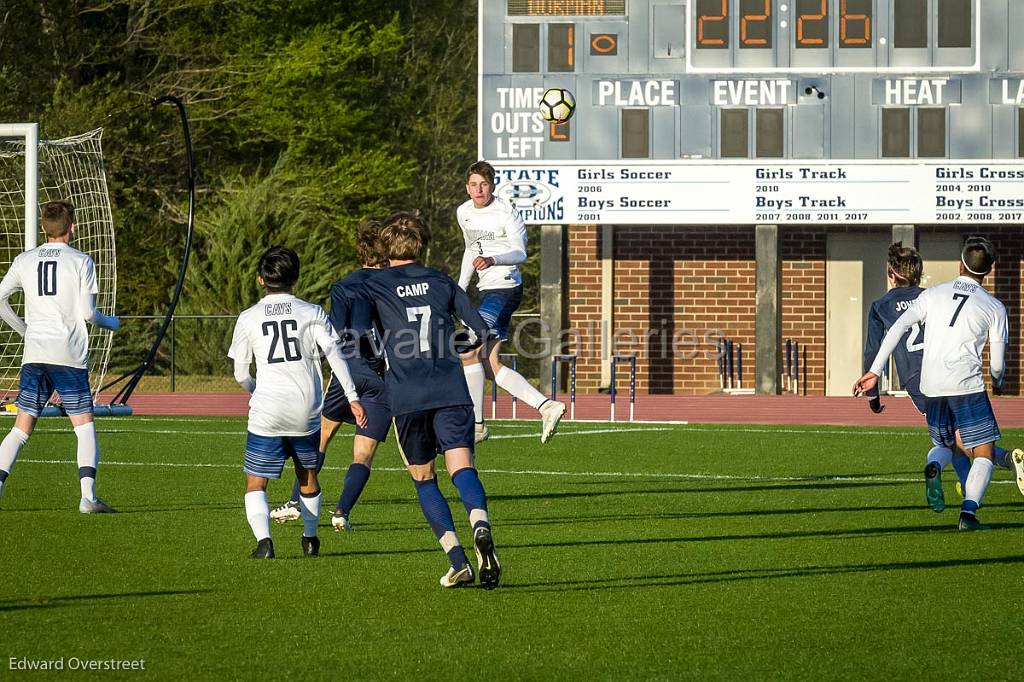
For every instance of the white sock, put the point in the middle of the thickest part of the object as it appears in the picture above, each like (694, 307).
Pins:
(309, 507)
(514, 383)
(941, 456)
(476, 380)
(977, 482)
(257, 510)
(88, 459)
(9, 449)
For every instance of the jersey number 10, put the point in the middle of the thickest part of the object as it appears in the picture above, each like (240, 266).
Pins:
(47, 275)
(280, 332)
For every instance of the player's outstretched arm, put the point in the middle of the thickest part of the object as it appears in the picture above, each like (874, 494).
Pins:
(11, 283)
(515, 229)
(914, 314)
(94, 316)
(876, 331)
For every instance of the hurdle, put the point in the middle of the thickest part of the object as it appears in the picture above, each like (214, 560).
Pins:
(730, 367)
(556, 362)
(514, 364)
(631, 359)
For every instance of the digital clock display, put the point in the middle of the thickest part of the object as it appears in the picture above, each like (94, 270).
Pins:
(832, 35)
(566, 8)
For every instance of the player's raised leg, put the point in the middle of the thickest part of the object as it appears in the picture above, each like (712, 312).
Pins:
(551, 411)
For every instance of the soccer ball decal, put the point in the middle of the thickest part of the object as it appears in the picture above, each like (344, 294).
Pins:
(557, 105)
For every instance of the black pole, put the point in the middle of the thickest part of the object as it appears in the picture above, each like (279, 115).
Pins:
(125, 393)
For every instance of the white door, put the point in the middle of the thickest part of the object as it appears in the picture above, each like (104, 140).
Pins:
(854, 278)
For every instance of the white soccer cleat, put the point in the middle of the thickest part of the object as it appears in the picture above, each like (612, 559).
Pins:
(340, 522)
(289, 511)
(550, 413)
(96, 506)
(453, 578)
(1017, 457)
(480, 432)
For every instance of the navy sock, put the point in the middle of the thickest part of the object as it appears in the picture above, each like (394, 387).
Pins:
(295, 486)
(439, 516)
(471, 490)
(355, 480)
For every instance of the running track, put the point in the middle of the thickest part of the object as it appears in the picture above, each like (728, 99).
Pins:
(711, 409)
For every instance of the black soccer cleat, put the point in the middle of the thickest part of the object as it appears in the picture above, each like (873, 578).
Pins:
(488, 567)
(310, 546)
(264, 550)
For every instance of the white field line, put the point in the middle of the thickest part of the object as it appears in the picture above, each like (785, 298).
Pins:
(541, 472)
(586, 432)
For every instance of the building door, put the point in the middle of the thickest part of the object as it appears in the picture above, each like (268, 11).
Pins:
(854, 278)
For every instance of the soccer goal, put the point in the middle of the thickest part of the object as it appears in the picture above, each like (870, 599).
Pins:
(33, 172)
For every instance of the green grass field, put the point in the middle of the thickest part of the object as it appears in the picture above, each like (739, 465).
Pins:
(630, 551)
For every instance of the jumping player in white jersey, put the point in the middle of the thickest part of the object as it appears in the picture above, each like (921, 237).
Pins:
(59, 284)
(959, 316)
(283, 333)
(495, 245)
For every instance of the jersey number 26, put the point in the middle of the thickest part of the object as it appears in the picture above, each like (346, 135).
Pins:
(279, 330)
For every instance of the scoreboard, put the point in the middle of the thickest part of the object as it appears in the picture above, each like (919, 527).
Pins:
(756, 111)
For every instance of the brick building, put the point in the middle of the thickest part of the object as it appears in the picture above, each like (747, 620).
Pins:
(667, 293)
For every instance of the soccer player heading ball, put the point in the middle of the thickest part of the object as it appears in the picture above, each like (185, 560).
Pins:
(283, 333)
(416, 307)
(959, 317)
(495, 245)
(59, 283)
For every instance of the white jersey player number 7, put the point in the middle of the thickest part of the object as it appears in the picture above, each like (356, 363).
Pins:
(959, 316)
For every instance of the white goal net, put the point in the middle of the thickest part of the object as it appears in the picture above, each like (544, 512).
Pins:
(72, 170)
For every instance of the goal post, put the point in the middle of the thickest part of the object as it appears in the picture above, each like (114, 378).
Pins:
(34, 171)
(28, 135)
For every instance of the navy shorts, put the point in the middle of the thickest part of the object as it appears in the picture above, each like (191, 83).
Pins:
(39, 381)
(970, 414)
(423, 435)
(265, 455)
(497, 306)
(374, 401)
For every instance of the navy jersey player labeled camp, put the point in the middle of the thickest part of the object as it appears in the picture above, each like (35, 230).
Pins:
(285, 336)
(416, 308)
(960, 317)
(351, 317)
(59, 286)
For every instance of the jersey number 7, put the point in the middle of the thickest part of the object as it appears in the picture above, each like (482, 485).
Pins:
(963, 299)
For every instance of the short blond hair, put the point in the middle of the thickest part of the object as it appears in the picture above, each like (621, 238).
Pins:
(405, 236)
(58, 217)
